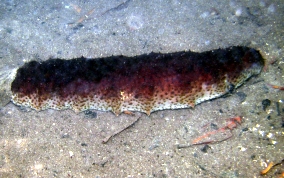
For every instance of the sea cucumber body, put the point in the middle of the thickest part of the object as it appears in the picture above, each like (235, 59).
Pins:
(144, 83)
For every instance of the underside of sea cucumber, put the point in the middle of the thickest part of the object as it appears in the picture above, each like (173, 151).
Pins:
(144, 83)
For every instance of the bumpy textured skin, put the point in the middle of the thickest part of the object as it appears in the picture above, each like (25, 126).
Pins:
(144, 83)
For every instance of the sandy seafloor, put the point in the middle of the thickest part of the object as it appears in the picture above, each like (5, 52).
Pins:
(65, 144)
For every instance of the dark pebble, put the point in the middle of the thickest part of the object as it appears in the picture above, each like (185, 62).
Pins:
(214, 126)
(90, 114)
(78, 26)
(205, 148)
(84, 144)
(265, 104)
(278, 108)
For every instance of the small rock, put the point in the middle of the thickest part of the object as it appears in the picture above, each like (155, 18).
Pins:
(242, 96)
(205, 148)
(84, 144)
(90, 114)
(265, 103)
(214, 126)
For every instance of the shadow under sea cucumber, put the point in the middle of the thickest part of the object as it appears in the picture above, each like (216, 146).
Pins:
(144, 83)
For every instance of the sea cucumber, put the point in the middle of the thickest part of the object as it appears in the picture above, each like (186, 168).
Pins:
(144, 83)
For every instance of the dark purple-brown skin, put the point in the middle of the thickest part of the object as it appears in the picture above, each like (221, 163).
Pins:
(139, 75)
